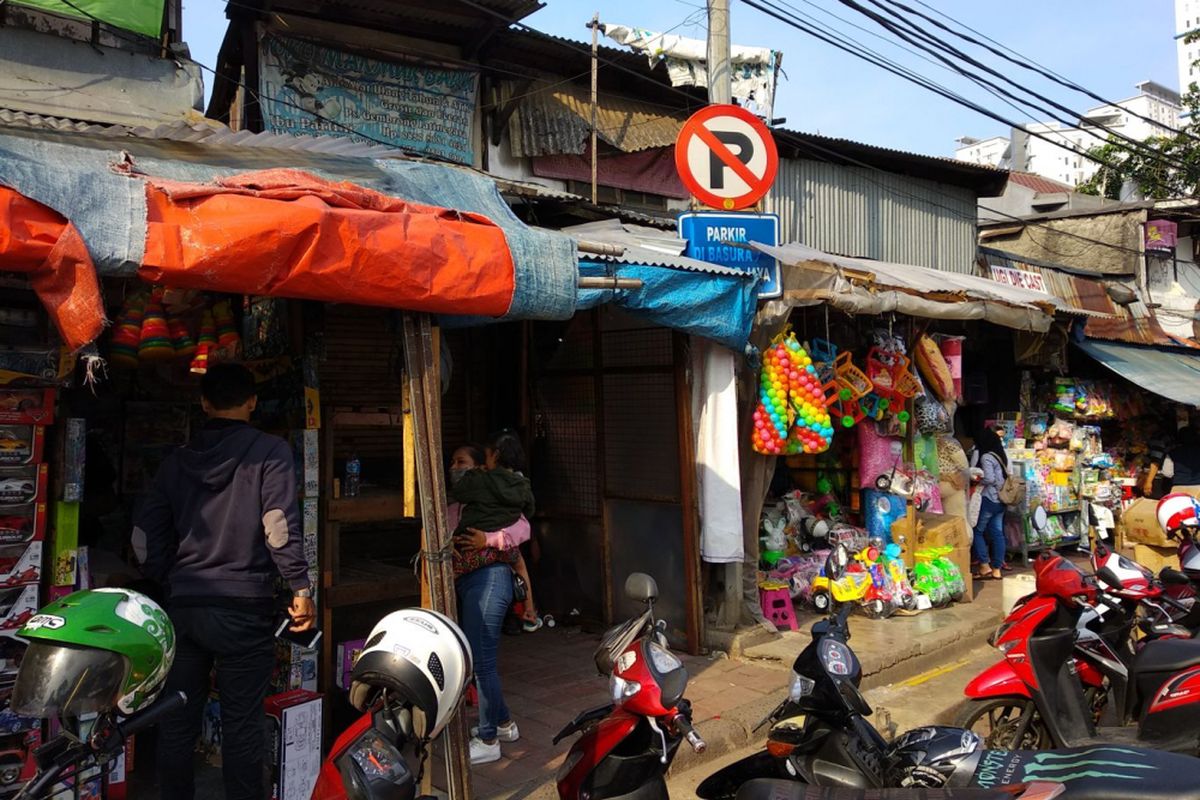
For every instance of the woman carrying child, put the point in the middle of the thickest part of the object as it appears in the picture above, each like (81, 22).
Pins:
(491, 504)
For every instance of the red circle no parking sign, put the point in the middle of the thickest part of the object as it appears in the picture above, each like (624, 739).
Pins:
(726, 157)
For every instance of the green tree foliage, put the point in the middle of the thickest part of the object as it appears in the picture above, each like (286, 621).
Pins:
(1166, 167)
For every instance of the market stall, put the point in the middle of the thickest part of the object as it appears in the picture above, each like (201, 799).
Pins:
(861, 387)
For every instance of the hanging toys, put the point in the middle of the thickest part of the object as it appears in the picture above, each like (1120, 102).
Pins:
(155, 342)
(228, 340)
(123, 351)
(181, 337)
(207, 341)
(791, 416)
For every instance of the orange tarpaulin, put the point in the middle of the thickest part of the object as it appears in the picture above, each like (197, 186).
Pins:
(37, 240)
(287, 233)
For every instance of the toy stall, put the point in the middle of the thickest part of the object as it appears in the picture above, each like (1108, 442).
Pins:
(861, 420)
(1086, 448)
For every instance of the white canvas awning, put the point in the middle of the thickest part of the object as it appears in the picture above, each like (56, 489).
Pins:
(863, 286)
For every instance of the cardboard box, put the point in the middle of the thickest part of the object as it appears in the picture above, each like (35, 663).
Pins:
(65, 550)
(922, 530)
(1155, 558)
(23, 524)
(21, 445)
(74, 459)
(1139, 524)
(20, 564)
(20, 486)
(17, 605)
(27, 406)
(294, 719)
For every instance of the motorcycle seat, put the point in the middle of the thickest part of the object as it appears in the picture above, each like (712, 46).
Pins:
(1098, 772)
(1167, 655)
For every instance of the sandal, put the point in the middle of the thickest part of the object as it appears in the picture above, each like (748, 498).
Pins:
(983, 576)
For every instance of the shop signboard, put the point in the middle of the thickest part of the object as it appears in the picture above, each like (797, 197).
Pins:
(309, 89)
(1020, 278)
(721, 238)
(726, 157)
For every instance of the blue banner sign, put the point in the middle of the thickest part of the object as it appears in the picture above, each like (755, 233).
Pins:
(721, 237)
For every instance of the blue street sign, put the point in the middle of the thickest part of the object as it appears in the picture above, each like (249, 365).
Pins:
(714, 237)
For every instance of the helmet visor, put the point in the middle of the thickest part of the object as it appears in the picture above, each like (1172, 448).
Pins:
(63, 680)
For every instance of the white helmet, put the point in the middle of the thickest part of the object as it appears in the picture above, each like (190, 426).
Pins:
(419, 657)
(1176, 511)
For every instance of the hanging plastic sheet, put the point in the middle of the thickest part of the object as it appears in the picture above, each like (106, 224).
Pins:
(38, 241)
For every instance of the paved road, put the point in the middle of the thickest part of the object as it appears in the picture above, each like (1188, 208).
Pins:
(932, 697)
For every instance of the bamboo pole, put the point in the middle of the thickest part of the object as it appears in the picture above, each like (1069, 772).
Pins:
(421, 360)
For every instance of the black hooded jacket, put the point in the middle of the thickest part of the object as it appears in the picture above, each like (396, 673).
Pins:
(222, 518)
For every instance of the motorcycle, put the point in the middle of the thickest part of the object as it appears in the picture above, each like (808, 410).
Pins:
(1058, 648)
(820, 736)
(1163, 614)
(628, 745)
(766, 789)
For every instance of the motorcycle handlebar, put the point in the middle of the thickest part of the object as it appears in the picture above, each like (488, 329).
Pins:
(690, 733)
(1105, 600)
(165, 705)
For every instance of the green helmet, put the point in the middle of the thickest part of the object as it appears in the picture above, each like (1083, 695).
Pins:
(94, 651)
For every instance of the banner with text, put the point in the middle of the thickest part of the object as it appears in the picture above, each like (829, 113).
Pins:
(315, 90)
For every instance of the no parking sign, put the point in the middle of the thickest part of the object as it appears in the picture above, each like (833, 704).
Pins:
(726, 157)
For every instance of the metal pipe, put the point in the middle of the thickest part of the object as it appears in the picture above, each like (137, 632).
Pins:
(609, 282)
(599, 248)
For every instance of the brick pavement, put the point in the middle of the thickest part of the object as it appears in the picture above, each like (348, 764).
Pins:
(549, 677)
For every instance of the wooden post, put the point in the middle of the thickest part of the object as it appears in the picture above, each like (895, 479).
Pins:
(688, 500)
(425, 394)
(595, 26)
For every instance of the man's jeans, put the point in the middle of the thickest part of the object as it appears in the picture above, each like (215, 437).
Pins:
(242, 646)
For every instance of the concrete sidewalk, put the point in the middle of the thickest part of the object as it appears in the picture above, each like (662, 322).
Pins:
(549, 678)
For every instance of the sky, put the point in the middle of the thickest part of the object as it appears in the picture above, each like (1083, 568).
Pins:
(1107, 46)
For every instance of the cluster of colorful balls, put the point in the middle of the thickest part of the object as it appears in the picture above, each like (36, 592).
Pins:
(791, 416)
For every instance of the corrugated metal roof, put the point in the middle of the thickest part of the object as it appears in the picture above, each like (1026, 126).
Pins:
(1134, 323)
(984, 180)
(1039, 184)
(516, 188)
(201, 131)
(644, 245)
(556, 118)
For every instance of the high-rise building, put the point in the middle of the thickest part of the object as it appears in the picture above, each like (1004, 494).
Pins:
(1187, 20)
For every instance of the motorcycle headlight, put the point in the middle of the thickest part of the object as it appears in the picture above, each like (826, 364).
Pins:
(621, 690)
(800, 687)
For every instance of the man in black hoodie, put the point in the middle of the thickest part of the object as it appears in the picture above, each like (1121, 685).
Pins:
(220, 522)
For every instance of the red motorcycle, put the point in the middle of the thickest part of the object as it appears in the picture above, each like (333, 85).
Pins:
(1057, 647)
(627, 746)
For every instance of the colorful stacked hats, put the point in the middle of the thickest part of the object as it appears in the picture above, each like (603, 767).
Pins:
(127, 333)
(155, 342)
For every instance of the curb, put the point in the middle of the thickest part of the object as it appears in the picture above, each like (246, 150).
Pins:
(734, 731)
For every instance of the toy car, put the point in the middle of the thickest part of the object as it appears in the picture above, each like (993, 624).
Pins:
(13, 447)
(14, 528)
(20, 401)
(17, 490)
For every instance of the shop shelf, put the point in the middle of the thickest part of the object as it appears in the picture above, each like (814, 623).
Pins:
(1064, 510)
(365, 581)
(371, 505)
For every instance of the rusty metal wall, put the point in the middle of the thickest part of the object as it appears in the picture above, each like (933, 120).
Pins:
(854, 211)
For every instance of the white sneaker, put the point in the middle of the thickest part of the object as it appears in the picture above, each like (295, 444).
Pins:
(483, 753)
(505, 733)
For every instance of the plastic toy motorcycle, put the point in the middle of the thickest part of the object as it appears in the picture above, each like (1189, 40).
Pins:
(850, 586)
(820, 737)
(627, 746)
(1052, 652)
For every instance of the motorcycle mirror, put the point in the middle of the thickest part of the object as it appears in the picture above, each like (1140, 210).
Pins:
(641, 588)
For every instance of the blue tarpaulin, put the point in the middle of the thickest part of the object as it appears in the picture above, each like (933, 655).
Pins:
(717, 304)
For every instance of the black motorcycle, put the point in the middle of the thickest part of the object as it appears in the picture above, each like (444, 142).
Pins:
(820, 737)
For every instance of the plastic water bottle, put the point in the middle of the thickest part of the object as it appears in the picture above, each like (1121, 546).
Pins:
(353, 474)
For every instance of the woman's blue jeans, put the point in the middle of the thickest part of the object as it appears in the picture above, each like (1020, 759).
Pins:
(483, 599)
(989, 534)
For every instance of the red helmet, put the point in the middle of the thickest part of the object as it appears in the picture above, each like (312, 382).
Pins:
(1178, 510)
(1058, 577)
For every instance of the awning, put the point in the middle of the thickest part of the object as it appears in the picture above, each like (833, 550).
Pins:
(863, 286)
(1172, 374)
(692, 296)
(102, 187)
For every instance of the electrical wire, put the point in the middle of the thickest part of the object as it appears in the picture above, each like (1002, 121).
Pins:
(1026, 63)
(912, 77)
(1073, 119)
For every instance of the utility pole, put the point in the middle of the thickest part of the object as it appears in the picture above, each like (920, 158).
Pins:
(720, 76)
(720, 91)
(595, 26)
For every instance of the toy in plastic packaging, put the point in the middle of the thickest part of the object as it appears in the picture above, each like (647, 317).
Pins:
(851, 587)
(951, 574)
(774, 542)
(927, 578)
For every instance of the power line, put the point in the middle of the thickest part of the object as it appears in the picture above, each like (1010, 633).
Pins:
(1026, 63)
(919, 80)
(939, 44)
